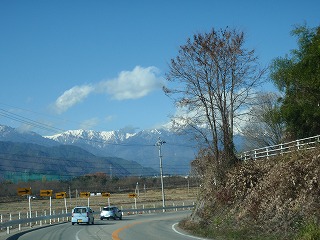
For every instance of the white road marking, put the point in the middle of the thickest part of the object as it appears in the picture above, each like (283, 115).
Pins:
(77, 235)
(174, 229)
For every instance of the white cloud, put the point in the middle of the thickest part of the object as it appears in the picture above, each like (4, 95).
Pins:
(89, 123)
(133, 84)
(109, 118)
(72, 97)
(128, 85)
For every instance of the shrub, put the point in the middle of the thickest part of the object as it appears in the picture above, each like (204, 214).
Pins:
(310, 231)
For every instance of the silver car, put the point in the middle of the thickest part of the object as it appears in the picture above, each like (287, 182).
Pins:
(82, 215)
(111, 212)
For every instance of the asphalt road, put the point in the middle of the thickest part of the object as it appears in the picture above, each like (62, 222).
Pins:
(133, 227)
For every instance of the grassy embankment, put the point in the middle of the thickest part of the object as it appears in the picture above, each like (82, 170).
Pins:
(276, 198)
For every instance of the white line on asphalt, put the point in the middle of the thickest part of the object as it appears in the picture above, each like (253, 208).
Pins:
(77, 235)
(174, 229)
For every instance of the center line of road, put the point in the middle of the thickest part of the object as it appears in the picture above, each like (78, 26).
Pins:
(185, 235)
(115, 234)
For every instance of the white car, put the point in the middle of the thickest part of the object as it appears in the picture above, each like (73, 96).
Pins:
(82, 215)
(111, 212)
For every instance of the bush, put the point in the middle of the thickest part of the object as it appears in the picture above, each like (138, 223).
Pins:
(310, 231)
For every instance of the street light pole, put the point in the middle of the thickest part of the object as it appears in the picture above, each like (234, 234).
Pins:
(159, 144)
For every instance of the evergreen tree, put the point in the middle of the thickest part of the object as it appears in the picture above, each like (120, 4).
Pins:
(298, 76)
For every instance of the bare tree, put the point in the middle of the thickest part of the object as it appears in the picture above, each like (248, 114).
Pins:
(213, 77)
(265, 126)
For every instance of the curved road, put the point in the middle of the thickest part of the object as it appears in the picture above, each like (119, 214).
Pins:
(148, 226)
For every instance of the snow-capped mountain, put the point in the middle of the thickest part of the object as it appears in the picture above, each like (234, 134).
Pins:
(72, 136)
(177, 151)
(141, 147)
(27, 155)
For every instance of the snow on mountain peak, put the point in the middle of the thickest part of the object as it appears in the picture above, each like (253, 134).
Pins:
(107, 136)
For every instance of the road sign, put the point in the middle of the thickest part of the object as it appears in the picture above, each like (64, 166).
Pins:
(45, 193)
(105, 194)
(84, 194)
(60, 195)
(24, 191)
(132, 195)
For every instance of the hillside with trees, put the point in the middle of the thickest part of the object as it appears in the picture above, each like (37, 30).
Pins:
(276, 198)
(267, 199)
(26, 162)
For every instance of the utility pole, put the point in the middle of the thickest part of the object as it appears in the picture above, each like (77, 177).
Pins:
(159, 144)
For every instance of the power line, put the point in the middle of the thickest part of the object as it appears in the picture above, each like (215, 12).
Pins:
(47, 127)
(28, 121)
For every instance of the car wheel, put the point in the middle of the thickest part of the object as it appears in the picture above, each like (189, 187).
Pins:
(120, 217)
(114, 218)
(107, 218)
(72, 223)
(101, 218)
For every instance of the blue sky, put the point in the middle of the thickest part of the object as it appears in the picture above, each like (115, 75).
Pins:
(100, 65)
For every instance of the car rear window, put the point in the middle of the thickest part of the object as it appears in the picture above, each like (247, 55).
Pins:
(107, 209)
(80, 210)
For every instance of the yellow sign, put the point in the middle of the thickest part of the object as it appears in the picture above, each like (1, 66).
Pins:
(45, 193)
(132, 195)
(60, 195)
(105, 194)
(84, 194)
(24, 191)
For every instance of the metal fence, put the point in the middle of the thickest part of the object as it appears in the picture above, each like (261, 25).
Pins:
(269, 151)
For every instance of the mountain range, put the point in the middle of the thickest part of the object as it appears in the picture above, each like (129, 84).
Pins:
(177, 151)
(139, 153)
(112, 152)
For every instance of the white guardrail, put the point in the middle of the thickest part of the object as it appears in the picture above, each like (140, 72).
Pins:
(269, 151)
(56, 218)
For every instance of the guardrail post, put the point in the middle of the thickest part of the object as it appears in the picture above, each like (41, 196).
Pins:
(298, 144)
(58, 219)
(19, 223)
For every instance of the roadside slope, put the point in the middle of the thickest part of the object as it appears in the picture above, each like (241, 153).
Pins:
(272, 197)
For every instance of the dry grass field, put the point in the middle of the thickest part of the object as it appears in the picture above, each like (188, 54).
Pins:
(145, 199)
